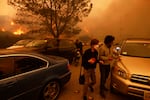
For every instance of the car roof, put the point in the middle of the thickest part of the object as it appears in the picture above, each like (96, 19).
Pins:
(13, 52)
(17, 53)
(138, 40)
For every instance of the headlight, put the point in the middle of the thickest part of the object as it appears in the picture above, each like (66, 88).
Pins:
(120, 72)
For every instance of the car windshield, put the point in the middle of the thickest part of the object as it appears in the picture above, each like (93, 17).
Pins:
(36, 43)
(22, 42)
(136, 49)
(66, 43)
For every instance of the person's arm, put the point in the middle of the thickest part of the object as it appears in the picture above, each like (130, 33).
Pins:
(102, 55)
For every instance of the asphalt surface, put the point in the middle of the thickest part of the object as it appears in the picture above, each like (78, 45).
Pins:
(73, 90)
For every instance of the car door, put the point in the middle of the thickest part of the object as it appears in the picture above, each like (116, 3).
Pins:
(66, 49)
(51, 47)
(9, 87)
(30, 76)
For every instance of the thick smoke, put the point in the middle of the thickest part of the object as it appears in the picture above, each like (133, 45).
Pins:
(122, 18)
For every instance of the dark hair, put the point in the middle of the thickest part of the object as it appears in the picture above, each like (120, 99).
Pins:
(109, 39)
(94, 42)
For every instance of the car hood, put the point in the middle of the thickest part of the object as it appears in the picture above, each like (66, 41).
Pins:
(136, 65)
(56, 58)
(15, 47)
(24, 49)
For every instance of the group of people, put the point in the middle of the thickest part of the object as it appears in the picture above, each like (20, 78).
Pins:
(104, 55)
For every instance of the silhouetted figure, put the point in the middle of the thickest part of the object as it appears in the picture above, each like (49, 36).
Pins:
(79, 46)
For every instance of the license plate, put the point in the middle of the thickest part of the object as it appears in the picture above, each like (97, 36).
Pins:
(146, 95)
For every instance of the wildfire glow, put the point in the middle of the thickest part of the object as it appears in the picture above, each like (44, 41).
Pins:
(19, 32)
(86, 29)
(12, 23)
(3, 29)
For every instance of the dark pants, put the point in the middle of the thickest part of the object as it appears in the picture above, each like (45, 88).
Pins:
(104, 72)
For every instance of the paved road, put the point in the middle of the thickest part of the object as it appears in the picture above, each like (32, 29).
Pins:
(73, 91)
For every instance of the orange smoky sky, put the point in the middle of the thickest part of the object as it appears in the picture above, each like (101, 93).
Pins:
(5, 9)
(121, 18)
(100, 5)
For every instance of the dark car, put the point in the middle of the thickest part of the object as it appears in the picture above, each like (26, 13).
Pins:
(31, 76)
(62, 47)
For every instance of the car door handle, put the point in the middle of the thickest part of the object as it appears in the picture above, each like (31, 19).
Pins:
(10, 83)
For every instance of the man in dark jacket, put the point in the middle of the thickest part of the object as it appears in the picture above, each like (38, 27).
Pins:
(89, 60)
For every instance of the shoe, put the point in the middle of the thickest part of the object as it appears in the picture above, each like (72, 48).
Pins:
(102, 94)
(84, 97)
(90, 98)
(91, 89)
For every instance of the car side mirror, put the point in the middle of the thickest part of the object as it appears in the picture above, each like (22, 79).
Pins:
(118, 49)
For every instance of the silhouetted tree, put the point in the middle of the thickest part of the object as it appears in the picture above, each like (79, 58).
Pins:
(56, 17)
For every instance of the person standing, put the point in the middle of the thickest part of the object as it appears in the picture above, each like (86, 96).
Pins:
(89, 60)
(105, 57)
(79, 46)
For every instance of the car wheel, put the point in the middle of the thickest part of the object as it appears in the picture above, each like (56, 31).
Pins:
(51, 90)
(111, 89)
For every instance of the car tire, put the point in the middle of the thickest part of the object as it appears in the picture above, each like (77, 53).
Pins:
(51, 90)
(112, 89)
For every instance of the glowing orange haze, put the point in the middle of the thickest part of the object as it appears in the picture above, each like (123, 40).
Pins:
(5, 9)
(99, 5)
(121, 18)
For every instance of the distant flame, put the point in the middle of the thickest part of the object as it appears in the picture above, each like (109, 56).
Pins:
(19, 32)
(12, 23)
(3, 30)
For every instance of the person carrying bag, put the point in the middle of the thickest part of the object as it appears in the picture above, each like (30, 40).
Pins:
(89, 61)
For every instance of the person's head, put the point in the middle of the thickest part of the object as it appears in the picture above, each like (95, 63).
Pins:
(77, 40)
(94, 43)
(109, 40)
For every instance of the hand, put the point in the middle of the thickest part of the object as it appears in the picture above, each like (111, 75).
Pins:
(110, 58)
(119, 58)
(92, 60)
(101, 62)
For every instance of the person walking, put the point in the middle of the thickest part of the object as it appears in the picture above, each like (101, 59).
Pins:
(89, 60)
(106, 57)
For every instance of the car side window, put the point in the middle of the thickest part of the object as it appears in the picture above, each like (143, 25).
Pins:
(51, 43)
(66, 43)
(25, 64)
(6, 67)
